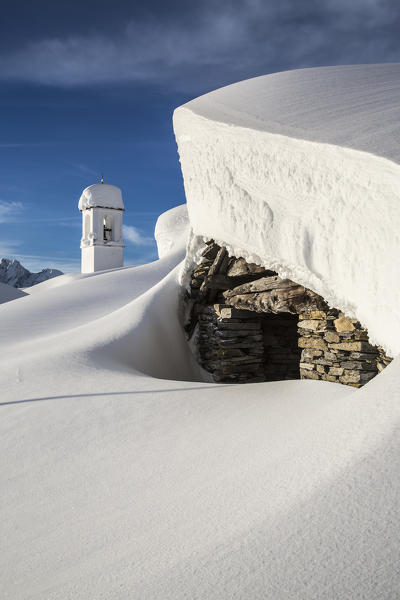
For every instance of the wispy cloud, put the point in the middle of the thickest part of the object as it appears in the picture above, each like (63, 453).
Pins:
(8, 248)
(224, 42)
(35, 263)
(9, 211)
(83, 169)
(74, 222)
(153, 215)
(10, 145)
(143, 253)
(133, 235)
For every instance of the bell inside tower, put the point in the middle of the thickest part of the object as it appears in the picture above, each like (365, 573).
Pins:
(107, 228)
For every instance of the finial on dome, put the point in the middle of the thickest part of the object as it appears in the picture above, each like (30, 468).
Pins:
(102, 178)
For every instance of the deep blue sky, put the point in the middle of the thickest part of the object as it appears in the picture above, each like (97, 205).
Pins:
(91, 88)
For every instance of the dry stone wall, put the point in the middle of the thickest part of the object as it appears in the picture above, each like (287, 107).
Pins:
(230, 343)
(336, 348)
(251, 325)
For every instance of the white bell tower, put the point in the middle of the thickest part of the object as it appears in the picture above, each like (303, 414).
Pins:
(102, 244)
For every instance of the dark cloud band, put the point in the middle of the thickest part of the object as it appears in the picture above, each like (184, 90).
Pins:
(208, 46)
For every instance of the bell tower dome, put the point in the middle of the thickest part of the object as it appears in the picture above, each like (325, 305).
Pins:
(102, 246)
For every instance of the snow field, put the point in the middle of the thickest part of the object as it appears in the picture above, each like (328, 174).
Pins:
(124, 477)
(121, 485)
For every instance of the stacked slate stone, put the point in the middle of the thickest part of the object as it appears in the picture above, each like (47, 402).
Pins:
(336, 348)
(279, 301)
(246, 322)
(273, 295)
(230, 341)
(201, 271)
(230, 344)
(383, 360)
(217, 273)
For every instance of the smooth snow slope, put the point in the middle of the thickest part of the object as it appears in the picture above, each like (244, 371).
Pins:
(78, 301)
(119, 485)
(299, 171)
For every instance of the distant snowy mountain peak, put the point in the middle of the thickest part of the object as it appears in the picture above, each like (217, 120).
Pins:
(14, 274)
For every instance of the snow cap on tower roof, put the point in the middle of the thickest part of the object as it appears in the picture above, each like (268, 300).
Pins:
(103, 195)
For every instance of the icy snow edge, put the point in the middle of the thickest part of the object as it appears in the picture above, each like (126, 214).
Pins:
(323, 215)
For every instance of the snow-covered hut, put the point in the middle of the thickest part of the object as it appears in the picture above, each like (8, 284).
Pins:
(293, 180)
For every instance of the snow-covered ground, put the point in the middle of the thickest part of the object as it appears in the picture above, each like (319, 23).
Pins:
(124, 476)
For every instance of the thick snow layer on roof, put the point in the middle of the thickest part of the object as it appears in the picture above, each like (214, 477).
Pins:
(354, 106)
(299, 171)
(102, 195)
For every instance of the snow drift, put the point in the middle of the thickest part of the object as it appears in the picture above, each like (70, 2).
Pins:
(120, 482)
(171, 231)
(300, 172)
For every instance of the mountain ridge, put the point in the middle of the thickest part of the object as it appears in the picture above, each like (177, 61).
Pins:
(14, 274)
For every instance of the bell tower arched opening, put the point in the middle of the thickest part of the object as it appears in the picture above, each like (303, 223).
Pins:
(107, 228)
